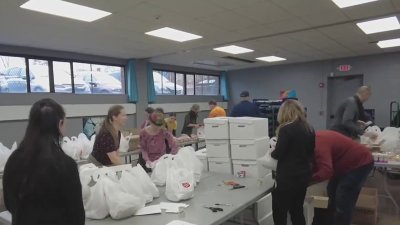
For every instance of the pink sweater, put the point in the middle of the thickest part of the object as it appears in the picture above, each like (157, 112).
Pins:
(154, 146)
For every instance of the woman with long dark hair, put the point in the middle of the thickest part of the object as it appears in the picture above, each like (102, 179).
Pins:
(294, 151)
(41, 183)
(106, 145)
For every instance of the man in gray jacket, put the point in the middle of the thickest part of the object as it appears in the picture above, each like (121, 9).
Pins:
(350, 118)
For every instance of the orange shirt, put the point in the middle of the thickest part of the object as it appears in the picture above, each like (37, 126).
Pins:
(217, 112)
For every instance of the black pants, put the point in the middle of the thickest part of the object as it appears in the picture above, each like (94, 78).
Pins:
(343, 194)
(289, 200)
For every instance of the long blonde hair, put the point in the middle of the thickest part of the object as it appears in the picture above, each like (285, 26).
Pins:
(114, 110)
(291, 111)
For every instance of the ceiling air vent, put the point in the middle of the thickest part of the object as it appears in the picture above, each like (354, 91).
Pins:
(211, 63)
(239, 59)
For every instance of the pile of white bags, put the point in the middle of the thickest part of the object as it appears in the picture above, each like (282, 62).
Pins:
(5, 154)
(78, 147)
(179, 173)
(116, 191)
(389, 140)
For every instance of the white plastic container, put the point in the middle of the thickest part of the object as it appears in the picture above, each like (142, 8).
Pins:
(218, 149)
(263, 209)
(249, 149)
(246, 128)
(216, 128)
(249, 168)
(220, 165)
(202, 155)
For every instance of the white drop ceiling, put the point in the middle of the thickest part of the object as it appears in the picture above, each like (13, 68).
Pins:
(298, 30)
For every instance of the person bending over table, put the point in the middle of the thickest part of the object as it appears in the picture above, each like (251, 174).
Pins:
(294, 151)
(41, 183)
(155, 139)
(106, 145)
(346, 164)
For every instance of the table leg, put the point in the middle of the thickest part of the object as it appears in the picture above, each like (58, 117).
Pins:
(388, 194)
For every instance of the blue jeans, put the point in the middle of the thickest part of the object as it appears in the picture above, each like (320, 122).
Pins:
(343, 194)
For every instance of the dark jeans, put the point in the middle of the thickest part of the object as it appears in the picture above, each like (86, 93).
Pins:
(284, 201)
(343, 194)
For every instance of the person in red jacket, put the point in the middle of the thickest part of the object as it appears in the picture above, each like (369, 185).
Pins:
(346, 164)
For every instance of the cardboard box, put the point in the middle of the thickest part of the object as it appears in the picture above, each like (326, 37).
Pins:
(216, 128)
(366, 211)
(202, 155)
(249, 168)
(249, 149)
(218, 149)
(248, 128)
(220, 165)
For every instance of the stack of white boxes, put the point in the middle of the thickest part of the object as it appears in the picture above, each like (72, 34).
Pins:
(218, 145)
(249, 141)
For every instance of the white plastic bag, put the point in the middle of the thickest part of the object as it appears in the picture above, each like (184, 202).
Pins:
(145, 181)
(267, 161)
(96, 205)
(120, 204)
(180, 184)
(5, 154)
(124, 143)
(86, 146)
(200, 133)
(188, 156)
(85, 175)
(159, 175)
(136, 187)
(71, 147)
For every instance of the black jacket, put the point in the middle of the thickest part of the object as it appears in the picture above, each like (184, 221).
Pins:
(50, 195)
(294, 151)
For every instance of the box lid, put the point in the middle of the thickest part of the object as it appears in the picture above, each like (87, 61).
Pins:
(201, 154)
(249, 142)
(247, 120)
(218, 120)
(225, 160)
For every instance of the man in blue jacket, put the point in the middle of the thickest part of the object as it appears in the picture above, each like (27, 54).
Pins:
(245, 107)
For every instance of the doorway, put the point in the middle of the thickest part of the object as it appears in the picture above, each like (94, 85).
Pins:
(340, 88)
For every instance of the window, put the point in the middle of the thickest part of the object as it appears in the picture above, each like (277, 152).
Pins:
(175, 83)
(85, 78)
(39, 75)
(12, 74)
(101, 79)
(63, 77)
(189, 84)
(164, 83)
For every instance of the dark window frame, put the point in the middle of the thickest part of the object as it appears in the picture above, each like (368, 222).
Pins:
(50, 61)
(185, 73)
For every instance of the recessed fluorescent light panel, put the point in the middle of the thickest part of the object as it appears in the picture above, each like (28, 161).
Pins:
(173, 34)
(65, 9)
(271, 58)
(233, 49)
(348, 3)
(380, 25)
(389, 43)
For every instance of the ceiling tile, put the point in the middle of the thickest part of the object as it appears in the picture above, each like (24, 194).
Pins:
(229, 20)
(234, 4)
(264, 12)
(190, 8)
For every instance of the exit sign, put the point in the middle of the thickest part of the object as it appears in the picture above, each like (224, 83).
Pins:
(344, 68)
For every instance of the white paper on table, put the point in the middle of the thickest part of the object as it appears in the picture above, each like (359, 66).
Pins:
(179, 222)
(172, 207)
(149, 210)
